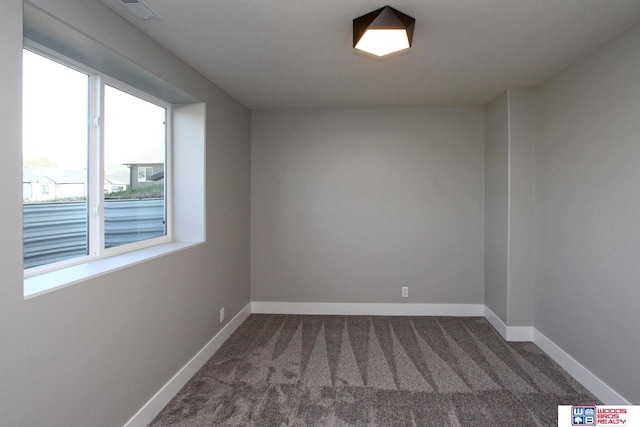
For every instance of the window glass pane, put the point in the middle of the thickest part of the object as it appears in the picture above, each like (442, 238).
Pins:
(55, 141)
(134, 168)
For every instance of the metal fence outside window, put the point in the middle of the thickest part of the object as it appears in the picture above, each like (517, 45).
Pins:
(58, 231)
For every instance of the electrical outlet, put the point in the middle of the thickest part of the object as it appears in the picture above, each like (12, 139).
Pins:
(222, 315)
(405, 292)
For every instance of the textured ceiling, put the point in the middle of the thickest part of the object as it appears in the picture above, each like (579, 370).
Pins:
(283, 54)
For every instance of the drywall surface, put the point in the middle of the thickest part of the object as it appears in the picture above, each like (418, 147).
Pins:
(587, 233)
(496, 205)
(509, 207)
(351, 205)
(521, 202)
(93, 353)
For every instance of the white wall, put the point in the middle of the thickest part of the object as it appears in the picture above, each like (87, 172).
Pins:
(587, 232)
(521, 202)
(497, 205)
(509, 138)
(350, 205)
(93, 353)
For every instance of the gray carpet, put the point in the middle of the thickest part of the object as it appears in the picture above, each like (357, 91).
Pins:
(279, 370)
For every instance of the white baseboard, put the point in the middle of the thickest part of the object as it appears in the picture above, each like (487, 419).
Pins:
(509, 333)
(153, 407)
(585, 377)
(350, 309)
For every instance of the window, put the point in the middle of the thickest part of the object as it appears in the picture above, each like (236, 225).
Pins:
(84, 134)
(144, 174)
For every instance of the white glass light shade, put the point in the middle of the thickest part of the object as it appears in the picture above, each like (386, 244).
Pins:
(383, 42)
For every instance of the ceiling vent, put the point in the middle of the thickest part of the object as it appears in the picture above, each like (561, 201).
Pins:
(139, 9)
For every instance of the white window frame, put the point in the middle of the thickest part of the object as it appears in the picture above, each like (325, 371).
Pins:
(147, 175)
(95, 196)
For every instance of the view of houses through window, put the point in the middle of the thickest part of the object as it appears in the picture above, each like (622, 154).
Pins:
(94, 164)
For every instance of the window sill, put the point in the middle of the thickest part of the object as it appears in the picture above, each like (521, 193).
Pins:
(54, 280)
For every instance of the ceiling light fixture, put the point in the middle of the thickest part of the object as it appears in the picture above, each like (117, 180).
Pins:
(383, 31)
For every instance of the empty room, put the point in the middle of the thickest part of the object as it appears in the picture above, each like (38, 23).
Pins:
(235, 213)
